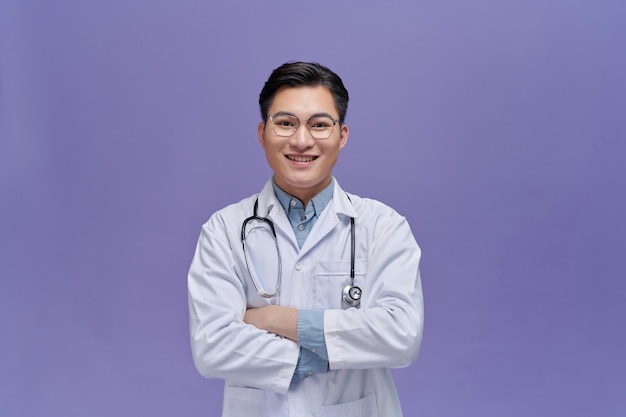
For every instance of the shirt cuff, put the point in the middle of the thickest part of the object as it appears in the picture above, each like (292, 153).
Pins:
(308, 364)
(311, 332)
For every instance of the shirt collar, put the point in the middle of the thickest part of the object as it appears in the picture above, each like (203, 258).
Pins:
(318, 203)
(341, 203)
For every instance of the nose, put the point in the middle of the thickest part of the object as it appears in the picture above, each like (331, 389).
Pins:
(302, 138)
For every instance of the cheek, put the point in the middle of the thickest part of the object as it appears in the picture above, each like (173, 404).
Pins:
(270, 148)
(273, 155)
(333, 151)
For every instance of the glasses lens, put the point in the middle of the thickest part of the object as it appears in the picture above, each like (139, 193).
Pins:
(284, 125)
(321, 127)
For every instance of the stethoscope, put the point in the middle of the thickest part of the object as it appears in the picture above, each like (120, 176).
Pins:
(351, 294)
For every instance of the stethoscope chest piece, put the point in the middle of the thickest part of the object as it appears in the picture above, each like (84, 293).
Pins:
(352, 295)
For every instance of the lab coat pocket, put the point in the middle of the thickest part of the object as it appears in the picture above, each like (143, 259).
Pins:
(240, 401)
(365, 407)
(332, 277)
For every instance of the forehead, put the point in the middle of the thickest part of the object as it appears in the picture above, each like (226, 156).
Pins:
(304, 101)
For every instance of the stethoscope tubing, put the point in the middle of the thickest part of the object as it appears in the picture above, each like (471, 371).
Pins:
(257, 285)
(351, 294)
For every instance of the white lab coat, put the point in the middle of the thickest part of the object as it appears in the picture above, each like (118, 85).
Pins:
(385, 332)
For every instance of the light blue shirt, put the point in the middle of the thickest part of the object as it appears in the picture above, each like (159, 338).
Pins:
(302, 219)
(313, 357)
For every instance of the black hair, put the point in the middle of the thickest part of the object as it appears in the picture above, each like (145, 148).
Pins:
(304, 74)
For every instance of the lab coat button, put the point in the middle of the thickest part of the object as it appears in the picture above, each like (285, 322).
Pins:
(298, 266)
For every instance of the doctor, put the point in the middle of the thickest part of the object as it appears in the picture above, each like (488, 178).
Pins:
(303, 296)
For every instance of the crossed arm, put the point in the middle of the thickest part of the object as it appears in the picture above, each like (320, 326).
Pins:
(275, 319)
(386, 332)
(303, 327)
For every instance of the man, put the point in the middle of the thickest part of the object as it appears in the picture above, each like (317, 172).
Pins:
(306, 323)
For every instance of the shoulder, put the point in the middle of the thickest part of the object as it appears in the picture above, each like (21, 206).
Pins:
(369, 208)
(378, 217)
(383, 223)
(232, 213)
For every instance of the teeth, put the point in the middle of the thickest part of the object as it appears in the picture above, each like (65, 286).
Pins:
(301, 158)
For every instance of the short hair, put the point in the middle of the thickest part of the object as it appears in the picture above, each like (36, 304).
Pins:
(304, 74)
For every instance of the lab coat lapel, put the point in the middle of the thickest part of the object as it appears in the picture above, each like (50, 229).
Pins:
(339, 208)
(270, 207)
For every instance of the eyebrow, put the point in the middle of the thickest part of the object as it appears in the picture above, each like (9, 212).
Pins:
(286, 113)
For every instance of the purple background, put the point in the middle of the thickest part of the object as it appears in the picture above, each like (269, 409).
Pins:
(497, 128)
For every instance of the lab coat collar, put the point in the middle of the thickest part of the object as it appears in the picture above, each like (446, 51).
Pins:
(269, 205)
(339, 206)
(342, 203)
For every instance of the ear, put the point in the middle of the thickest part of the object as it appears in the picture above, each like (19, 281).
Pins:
(343, 136)
(260, 131)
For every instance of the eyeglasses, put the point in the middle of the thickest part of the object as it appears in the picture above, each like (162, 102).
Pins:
(285, 125)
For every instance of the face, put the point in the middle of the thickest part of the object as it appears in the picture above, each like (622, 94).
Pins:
(302, 165)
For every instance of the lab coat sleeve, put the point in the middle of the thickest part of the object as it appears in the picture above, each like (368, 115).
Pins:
(222, 345)
(387, 330)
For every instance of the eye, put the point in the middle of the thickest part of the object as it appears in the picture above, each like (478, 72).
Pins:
(285, 121)
(321, 123)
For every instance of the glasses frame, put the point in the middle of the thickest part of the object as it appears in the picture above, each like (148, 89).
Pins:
(302, 122)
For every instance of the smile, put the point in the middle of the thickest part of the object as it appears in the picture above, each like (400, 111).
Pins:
(301, 158)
